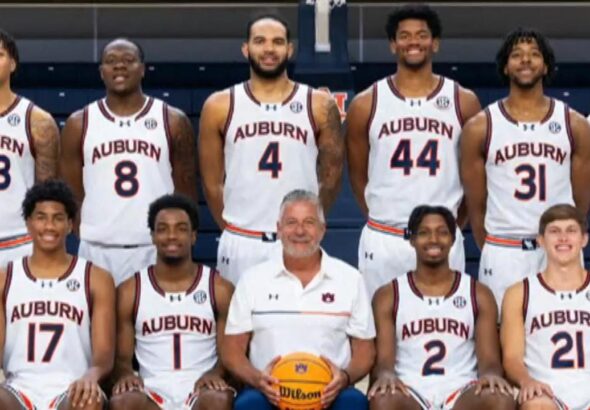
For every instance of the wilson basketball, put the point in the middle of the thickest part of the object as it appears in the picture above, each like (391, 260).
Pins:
(302, 378)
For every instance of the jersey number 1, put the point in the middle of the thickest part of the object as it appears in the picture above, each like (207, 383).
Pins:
(558, 361)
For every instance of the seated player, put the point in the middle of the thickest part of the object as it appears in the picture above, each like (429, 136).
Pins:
(302, 300)
(437, 340)
(546, 318)
(172, 315)
(58, 323)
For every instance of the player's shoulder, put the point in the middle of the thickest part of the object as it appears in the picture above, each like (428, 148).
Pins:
(39, 114)
(219, 100)
(478, 124)
(364, 97)
(99, 276)
(516, 290)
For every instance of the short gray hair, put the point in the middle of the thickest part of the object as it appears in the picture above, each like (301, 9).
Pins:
(301, 195)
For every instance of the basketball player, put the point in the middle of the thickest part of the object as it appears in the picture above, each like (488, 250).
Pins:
(545, 319)
(172, 315)
(259, 140)
(519, 156)
(301, 301)
(402, 142)
(57, 324)
(119, 154)
(437, 341)
(28, 153)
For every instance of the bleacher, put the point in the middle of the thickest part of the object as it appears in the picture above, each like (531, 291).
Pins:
(65, 88)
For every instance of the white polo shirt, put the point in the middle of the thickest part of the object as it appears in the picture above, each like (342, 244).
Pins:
(284, 317)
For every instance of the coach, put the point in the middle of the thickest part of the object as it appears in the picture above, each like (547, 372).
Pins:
(302, 300)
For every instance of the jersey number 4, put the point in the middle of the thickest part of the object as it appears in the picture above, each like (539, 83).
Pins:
(428, 158)
(439, 351)
(270, 161)
(558, 361)
(56, 329)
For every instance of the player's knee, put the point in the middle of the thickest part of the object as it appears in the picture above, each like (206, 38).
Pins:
(392, 402)
(122, 402)
(539, 403)
(495, 401)
(215, 400)
(350, 399)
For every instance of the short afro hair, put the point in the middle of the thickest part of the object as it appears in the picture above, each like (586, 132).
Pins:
(174, 201)
(140, 52)
(269, 16)
(413, 11)
(525, 35)
(51, 190)
(420, 212)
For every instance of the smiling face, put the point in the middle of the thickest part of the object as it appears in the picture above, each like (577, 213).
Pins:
(268, 50)
(173, 236)
(49, 226)
(563, 240)
(525, 66)
(300, 229)
(432, 241)
(121, 68)
(414, 44)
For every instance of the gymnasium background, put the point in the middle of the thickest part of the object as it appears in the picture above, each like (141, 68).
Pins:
(193, 49)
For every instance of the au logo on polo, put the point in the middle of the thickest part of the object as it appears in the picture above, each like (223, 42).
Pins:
(328, 297)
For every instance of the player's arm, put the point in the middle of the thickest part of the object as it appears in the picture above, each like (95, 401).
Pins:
(357, 145)
(383, 375)
(45, 136)
(473, 175)
(125, 379)
(71, 161)
(184, 170)
(211, 161)
(213, 379)
(330, 147)
(580, 161)
(86, 390)
(2, 313)
(469, 106)
(487, 345)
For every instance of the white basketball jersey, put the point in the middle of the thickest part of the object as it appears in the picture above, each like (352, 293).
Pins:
(48, 340)
(413, 157)
(17, 165)
(175, 333)
(270, 150)
(435, 335)
(557, 334)
(528, 169)
(126, 167)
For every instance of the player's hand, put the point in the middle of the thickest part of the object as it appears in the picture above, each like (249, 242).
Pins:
(84, 392)
(531, 388)
(494, 383)
(127, 383)
(387, 382)
(337, 384)
(210, 380)
(269, 385)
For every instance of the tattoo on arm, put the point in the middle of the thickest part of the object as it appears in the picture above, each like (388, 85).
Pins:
(184, 158)
(330, 154)
(46, 145)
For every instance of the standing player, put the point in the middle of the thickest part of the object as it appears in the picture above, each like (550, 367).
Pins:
(259, 140)
(518, 157)
(172, 315)
(119, 154)
(546, 319)
(29, 146)
(402, 143)
(57, 326)
(437, 341)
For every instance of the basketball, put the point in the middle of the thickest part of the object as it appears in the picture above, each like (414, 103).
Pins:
(302, 378)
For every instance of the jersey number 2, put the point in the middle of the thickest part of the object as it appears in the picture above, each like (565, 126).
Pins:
(439, 352)
(558, 361)
(57, 330)
(269, 161)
